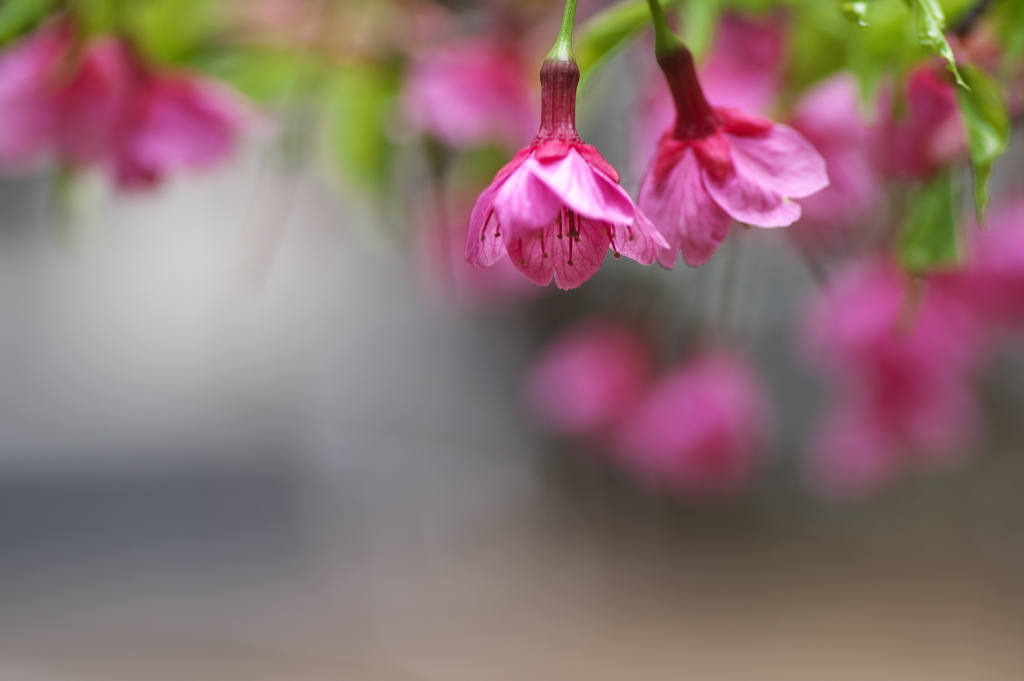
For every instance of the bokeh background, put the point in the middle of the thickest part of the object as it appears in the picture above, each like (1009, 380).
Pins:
(243, 437)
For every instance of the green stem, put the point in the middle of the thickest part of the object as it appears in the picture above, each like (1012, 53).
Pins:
(665, 41)
(562, 51)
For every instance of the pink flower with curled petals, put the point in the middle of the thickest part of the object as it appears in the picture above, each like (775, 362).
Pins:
(899, 355)
(587, 379)
(556, 208)
(173, 122)
(716, 164)
(701, 431)
(472, 93)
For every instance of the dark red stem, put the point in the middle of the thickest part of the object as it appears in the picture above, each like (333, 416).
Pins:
(695, 118)
(558, 81)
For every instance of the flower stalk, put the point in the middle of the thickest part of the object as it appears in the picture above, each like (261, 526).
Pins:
(562, 51)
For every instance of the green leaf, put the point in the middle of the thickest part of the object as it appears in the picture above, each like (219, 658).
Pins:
(362, 97)
(18, 16)
(609, 30)
(988, 128)
(699, 22)
(855, 10)
(930, 24)
(930, 239)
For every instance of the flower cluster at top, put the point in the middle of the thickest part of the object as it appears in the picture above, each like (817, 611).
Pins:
(557, 208)
(96, 102)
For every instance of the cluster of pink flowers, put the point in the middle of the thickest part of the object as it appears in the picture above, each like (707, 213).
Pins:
(98, 103)
(901, 354)
(557, 208)
(699, 429)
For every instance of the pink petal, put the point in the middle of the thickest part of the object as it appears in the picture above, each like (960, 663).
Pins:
(577, 259)
(748, 201)
(484, 243)
(781, 160)
(177, 122)
(530, 256)
(523, 203)
(684, 212)
(640, 241)
(584, 189)
(28, 108)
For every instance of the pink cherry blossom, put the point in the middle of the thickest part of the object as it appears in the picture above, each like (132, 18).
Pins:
(701, 430)
(927, 133)
(588, 378)
(557, 207)
(58, 99)
(716, 164)
(899, 355)
(742, 70)
(471, 93)
(172, 122)
(828, 117)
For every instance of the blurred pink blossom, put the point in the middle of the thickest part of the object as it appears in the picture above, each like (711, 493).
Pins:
(701, 429)
(926, 133)
(716, 164)
(828, 117)
(58, 97)
(557, 207)
(994, 280)
(899, 355)
(471, 93)
(588, 378)
(96, 103)
(172, 122)
(742, 71)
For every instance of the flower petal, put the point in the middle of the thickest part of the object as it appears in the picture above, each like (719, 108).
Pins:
(781, 160)
(640, 241)
(484, 243)
(529, 253)
(584, 189)
(685, 213)
(577, 258)
(749, 201)
(523, 203)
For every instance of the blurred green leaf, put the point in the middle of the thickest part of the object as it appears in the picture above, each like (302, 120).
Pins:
(1008, 21)
(855, 10)
(930, 239)
(930, 23)
(609, 30)
(699, 22)
(264, 75)
(988, 128)
(169, 31)
(18, 16)
(362, 97)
